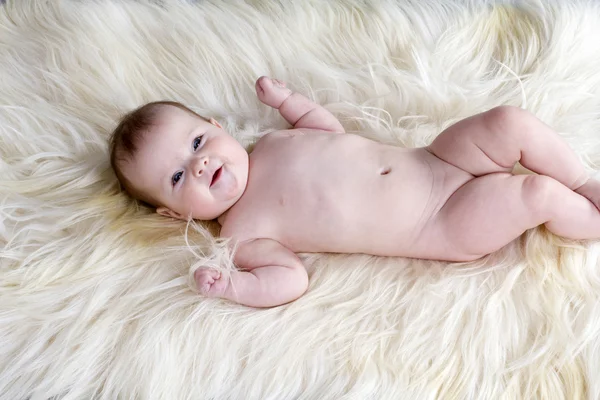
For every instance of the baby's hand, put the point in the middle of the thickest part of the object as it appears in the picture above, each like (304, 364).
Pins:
(210, 282)
(272, 92)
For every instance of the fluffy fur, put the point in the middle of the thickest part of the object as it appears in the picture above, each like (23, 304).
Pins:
(94, 293)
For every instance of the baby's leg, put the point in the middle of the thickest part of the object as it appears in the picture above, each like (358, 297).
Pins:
(496, 140)
(489, 212)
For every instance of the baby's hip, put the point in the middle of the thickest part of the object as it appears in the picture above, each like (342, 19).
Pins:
(445, 180)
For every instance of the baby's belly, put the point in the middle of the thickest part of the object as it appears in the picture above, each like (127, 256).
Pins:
(381, 211)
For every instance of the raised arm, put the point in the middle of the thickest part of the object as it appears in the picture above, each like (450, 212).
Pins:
(270, 275)
(294, 107)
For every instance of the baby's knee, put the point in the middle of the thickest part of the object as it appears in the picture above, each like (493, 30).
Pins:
(538, 193)
(508, 120)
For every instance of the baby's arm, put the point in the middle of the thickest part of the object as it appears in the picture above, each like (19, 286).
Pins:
(270, 275)
(294, 107)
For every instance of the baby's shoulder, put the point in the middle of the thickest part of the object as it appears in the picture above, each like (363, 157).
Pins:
(243, 225)
(272, 137)
(275, 136)
(281, 133)
(286, 133)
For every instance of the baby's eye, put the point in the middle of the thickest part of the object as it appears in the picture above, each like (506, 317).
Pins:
(176, 177)
(197, 142)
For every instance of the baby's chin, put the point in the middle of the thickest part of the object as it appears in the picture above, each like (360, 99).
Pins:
(212, 215)
(208, 212)
(228, 192)
(225, 194)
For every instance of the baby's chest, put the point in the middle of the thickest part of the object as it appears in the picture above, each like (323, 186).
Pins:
(322, 206)
(265, 211)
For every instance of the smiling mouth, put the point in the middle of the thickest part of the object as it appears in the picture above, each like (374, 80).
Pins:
(216, 176)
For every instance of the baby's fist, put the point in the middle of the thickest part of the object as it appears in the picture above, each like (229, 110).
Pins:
(210, 282)
(272, 92)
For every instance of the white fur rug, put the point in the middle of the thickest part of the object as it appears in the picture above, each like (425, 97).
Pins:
(94, 297)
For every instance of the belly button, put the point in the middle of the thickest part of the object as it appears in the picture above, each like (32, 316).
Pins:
(385, 171)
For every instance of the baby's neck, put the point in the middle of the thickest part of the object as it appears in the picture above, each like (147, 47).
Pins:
(221, 218)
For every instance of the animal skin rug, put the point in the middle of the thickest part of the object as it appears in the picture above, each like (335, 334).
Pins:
(95, 299)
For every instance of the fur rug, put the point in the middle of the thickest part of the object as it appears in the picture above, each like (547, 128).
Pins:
(94, 293)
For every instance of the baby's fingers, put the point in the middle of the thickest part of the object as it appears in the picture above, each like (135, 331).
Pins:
(271, 92)
(263, 84)
(205, 275)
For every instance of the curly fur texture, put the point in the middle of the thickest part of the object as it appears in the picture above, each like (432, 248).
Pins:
(94, 295)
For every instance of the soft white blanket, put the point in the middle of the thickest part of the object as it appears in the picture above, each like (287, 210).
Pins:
(94, 297)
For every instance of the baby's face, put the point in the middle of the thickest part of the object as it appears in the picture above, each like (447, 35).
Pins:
(192, 167)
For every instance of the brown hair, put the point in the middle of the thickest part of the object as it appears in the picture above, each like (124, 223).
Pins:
(126, 138)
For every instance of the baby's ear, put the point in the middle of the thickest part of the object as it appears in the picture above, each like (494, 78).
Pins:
(166, 212)
(215, 123)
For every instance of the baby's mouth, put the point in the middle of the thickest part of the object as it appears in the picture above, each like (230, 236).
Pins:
(216, 176)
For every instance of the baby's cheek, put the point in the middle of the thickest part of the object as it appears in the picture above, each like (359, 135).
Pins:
(195, 201)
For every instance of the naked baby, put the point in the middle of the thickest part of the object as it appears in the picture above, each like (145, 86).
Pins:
(314, 188)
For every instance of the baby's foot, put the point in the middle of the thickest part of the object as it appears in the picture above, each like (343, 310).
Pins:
(591, 191)
(272, 92)
(210, 282)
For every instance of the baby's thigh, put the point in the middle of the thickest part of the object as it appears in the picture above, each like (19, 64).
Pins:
(483, 216)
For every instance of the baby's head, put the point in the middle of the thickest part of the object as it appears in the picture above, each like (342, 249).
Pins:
(173, 159)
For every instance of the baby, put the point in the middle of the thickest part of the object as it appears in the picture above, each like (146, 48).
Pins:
(314, 188)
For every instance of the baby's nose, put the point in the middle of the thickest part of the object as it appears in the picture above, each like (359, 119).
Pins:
(201, 164)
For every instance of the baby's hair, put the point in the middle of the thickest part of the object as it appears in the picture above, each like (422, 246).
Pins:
(127, 137)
